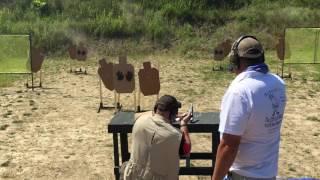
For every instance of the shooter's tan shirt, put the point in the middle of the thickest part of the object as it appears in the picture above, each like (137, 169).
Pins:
(155, 150)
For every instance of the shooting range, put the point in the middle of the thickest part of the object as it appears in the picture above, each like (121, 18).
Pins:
(76, 74)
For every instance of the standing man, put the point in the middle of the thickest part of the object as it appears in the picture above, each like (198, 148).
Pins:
(156, 144)
(251, 115)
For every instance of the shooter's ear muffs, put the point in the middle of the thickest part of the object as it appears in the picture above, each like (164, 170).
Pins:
(234, 55)
(173, 112)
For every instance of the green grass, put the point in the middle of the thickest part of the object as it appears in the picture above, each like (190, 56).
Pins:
(14, 65)
(7, 80)
(189, 27)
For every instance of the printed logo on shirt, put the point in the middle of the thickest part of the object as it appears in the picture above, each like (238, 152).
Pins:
(277, 103)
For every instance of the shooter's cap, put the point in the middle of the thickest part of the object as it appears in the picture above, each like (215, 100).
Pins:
(250, 47)
(167, 103)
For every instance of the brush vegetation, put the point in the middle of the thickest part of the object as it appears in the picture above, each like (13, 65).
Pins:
(190, 27)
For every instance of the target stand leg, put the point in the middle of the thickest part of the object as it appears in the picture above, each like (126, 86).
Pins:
(119, 106)
(32, 86)
(80, 71)
(289, 76)
(101, 106)
(220, 68)
(138, 108)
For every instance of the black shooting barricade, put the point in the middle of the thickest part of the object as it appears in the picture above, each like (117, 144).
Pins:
(203, 122)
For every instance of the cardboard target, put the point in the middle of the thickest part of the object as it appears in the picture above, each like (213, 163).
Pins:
(81, 53)
(123, 77)
(222, 50)
(72, 52)
(149, 80)
(283, 49)
(280, 48)
(105, 72)
(37, 59)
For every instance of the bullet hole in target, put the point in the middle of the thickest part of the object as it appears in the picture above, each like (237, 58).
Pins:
(120, 76)
(129, 76)
(218, 52)
(82, 53)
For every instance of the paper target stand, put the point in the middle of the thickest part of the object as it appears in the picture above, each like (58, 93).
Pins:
(17, 56)
(120, 78)
(78, 55)
(298, 45)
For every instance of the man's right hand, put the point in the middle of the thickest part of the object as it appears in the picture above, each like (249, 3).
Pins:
(185, 118)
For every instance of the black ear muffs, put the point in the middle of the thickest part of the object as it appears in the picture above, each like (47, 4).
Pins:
(174, 112)
(172, 115)
(234, 56)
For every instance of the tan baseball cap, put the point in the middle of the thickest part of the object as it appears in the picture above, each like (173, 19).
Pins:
(250, 48)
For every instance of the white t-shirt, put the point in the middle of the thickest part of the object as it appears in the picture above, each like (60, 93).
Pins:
(253, 108)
